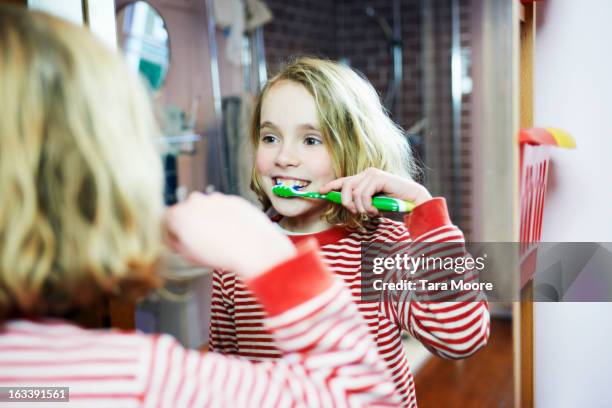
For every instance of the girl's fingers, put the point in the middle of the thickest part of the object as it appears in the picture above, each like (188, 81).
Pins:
(368, 192)
(333, 185)
(347, 196)
(346, 186)
(358, 196)
(357, 199)
(363, 195)
(357, 192)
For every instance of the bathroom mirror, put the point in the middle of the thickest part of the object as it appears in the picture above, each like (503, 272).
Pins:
(143, 37)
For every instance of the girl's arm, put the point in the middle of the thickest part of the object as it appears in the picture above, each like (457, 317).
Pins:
(329, 358)
(452, 324)
(222, 337)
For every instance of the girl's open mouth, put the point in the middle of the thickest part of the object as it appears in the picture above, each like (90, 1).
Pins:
(296, 184)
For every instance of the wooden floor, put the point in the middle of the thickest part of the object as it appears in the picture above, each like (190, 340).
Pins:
(483, 380)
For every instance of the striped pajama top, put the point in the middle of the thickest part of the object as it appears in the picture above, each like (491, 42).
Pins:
(450, 329)
(327, 356)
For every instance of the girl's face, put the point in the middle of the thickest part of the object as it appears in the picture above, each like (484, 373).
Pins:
(292, 150)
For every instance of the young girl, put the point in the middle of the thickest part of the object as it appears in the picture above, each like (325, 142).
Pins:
(320, 126)
(80, 222)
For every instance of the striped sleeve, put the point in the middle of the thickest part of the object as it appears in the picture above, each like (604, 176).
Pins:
(328, 356)
(452, 324)
(222, 337)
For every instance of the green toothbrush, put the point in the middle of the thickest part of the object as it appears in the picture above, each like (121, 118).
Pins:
(379, 202)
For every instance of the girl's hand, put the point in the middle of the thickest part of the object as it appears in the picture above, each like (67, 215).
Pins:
(226, 232)
(357, 190)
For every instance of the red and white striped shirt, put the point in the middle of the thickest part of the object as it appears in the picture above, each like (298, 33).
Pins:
(328, 358)
(448, 329)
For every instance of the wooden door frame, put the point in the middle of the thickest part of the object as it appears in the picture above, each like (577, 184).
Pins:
(525, 327)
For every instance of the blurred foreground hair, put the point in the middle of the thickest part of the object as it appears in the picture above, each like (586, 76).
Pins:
(80, 178)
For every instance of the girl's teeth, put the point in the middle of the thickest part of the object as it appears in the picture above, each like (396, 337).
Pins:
(291, 183)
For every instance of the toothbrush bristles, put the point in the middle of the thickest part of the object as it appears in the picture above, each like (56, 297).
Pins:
(288, 184)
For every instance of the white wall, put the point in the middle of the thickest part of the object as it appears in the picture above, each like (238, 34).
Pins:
(71, 10)
(573, 91)
(101, 18)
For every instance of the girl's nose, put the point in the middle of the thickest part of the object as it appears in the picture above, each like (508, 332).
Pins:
(286, 156)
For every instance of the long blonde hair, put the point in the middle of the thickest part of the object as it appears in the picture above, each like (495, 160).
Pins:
(80, 178)
(357, 131)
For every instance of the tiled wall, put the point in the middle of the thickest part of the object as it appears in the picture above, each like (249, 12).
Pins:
(341, 29)
(300, 27)
(363, 42)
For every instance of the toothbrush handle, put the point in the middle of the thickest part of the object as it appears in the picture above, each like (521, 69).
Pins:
(333, 196)
(380, 202)
(392, 204)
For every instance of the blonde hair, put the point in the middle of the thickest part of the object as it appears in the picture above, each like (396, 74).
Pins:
(357, 131)
(80, 178)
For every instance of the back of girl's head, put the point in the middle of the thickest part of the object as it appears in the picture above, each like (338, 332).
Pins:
(80, 179)
(358, 132)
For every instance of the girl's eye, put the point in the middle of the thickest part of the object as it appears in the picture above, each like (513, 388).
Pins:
(311, 140)
(268, 138)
